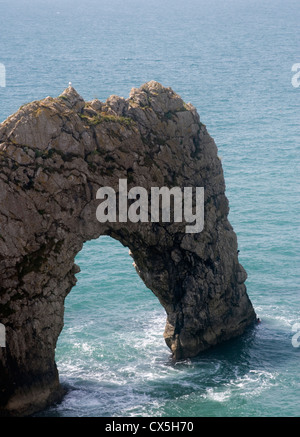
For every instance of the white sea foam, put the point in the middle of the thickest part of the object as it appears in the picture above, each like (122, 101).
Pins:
(250, 385)
(217, 396)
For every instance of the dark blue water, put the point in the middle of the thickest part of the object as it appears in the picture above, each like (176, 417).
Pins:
(233, 61)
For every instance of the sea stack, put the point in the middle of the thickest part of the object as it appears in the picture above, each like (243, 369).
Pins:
(54, 155)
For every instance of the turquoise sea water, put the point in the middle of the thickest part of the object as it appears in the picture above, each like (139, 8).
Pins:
(233, 61)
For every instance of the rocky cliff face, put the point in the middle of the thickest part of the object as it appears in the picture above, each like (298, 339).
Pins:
(54, 156)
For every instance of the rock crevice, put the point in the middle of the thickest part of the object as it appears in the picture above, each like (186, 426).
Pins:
(54, 156)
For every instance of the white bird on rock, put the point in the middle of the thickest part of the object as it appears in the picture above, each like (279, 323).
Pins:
(70, 83)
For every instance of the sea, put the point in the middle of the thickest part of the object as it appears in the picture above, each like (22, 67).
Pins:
(236, 62)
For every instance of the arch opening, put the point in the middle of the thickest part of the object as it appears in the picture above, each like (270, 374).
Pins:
(112, 334)
(109, 298)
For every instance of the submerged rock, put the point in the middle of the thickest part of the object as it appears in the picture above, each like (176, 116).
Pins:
(54, 156)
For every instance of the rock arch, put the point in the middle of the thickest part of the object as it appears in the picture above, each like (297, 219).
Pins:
(54, 156)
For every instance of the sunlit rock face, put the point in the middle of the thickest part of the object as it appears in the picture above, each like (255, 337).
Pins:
(55, 154)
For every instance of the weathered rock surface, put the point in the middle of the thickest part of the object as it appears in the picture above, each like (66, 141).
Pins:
(54, 155)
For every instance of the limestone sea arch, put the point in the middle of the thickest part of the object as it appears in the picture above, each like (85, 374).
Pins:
(54, 155)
